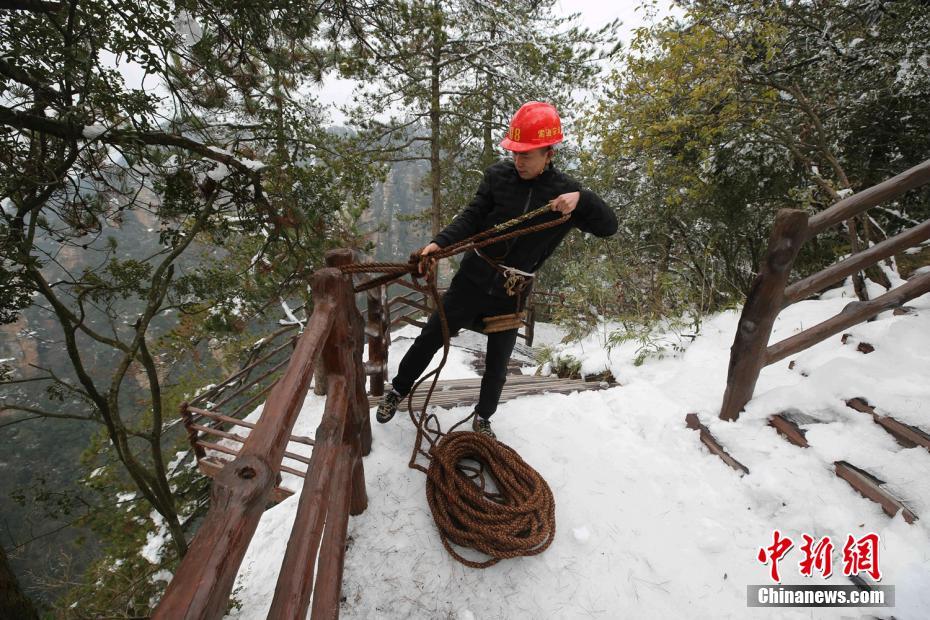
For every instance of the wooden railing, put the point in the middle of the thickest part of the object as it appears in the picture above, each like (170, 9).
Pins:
(214, 419)
(770, 294)
(246, 458)
(334, 484)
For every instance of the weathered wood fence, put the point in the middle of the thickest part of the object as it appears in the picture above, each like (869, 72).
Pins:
(246, 468)
(770, 292)
(334, 484)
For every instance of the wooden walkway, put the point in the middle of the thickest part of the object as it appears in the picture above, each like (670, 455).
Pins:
(462, 392)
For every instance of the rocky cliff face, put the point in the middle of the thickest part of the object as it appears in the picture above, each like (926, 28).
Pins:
(394, 203)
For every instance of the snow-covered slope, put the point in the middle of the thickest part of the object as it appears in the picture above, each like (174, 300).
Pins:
(649, 524)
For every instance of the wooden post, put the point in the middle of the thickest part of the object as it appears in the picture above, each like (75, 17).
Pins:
(328, 585)
(295, 579)
(530, 323)
(376, 327)
(385, 330)
(319, 379)
(747, 355)
(188, 421)
(337, 481)
(345, 358)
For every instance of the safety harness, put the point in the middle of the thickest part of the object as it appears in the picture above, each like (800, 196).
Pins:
(517, 283)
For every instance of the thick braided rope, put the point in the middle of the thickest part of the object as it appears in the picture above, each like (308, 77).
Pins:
(519, 518)
(480, 240)
(516, 520)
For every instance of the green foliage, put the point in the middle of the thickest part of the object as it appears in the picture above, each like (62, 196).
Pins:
(150, 219)
(120, 578)
(714, 122)
(564, 366)
(654, 339)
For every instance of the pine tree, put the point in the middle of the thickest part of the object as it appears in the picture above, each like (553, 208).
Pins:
(443, 78)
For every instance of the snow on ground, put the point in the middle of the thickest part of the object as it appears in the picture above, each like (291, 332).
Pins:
(649, 524)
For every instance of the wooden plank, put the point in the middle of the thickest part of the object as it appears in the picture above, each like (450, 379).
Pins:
(219, 417)
(462, 393)
(905, 434)
(509, 387)
(519, 386)
(202, 398)
(520, 379)
(233, 437)
(411, 303)
(870, 487)
(788, 429)
(233, 452)
(307, 441)
(712, 444)
(409, 321)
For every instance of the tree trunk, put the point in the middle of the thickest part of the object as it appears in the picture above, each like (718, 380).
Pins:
(434, 118)
(488, 155)
(13, 601)
(854, 248)
(875, 272)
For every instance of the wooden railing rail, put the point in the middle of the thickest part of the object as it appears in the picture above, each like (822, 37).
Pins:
(866, 199)
(335, 476)
(857, 262)
(770, 292)
(241, 378)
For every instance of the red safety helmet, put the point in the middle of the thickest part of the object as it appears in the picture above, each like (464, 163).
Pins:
(535, 125)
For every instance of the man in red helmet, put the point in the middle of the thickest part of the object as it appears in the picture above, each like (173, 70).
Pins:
(480, 288)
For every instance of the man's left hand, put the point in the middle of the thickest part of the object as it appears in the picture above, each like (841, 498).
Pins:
(565, 203)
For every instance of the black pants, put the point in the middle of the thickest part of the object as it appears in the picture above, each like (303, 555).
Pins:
(464, 304)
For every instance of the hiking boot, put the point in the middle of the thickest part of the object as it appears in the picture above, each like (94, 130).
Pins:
(483, 426)
(388, 406)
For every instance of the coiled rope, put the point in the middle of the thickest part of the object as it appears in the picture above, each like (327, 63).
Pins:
(482, 495)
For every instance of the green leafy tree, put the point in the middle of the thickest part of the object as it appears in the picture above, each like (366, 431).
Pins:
(717, 119)
(219, 152)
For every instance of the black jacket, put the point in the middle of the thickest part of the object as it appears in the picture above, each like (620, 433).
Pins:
(502, 196)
